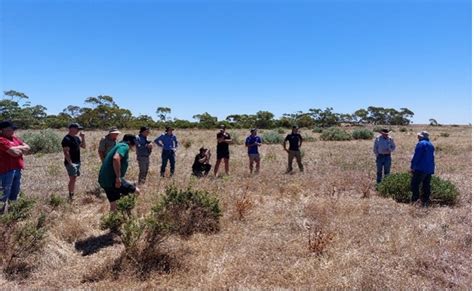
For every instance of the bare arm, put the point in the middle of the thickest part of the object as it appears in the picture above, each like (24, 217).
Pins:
(116, 164)
(284, 145)
(83, 140)
(67, 156)
(101, 155)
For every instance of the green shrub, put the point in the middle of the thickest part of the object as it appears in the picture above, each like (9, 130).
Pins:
(335, 134)
(185, 212)
(362, 134)
(45, 141)
(112, 221)
(397, 186)
(281, 130)
(403, 129)
(186, 143)
(272, 137)
(379, 128)
(18, 210)
(309, 138)
(236, 138)
(318, 130)
(56, 200)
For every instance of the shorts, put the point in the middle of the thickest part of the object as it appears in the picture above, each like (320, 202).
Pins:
(114, 194)
(254, 157)
(73, 170)
(223, 155)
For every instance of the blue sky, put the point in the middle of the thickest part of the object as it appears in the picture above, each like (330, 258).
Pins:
(227, 57)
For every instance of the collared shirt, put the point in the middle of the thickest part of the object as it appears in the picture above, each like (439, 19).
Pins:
(106, 144)
(106, 172)
(250, 141)
(384, 146)
(142, 149)
(424, 159)
(9, 162)
(170, 142)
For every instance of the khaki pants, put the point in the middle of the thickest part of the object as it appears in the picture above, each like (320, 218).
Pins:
(291, 156)
(143, 165)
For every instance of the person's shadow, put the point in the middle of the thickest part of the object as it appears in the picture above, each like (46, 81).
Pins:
(93, 244)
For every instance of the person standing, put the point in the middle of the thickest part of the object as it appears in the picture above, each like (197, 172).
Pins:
(12, 150)
(383, 148)
(72, 145)
(253, 142)
(295, 140)
(108, 142)
(223, 141)
(201, 165)
(169, 143)
(113, 170)
(144, 148)
(422, 167)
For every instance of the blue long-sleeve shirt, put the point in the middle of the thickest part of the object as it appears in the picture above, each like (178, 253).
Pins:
(170, 142)
(384, 145)
(423, 159)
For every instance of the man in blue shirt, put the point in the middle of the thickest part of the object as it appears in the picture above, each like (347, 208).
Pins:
(169, 143)
(383, 148)
(422, 167)
(144, 148)
(252, 143)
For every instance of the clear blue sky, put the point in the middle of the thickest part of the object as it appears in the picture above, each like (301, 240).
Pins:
(228, 57)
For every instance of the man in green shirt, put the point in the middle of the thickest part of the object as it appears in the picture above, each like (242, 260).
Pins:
(113, 169)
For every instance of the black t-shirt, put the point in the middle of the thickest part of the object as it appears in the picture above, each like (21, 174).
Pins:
(197, 165)
(294, 139)
(73, 143)
(223, 147)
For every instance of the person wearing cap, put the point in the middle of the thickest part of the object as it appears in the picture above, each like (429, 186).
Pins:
(144, 148)
(113, 170)
(422, 167)
(12, 150)
(169, 143)
(383, 148)
(108, 142)
(252, 142)
(223, 153)
(72, 145)
(295, 140)
(201, 165)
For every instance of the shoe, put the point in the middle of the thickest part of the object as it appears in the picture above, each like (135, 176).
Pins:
(71, 197)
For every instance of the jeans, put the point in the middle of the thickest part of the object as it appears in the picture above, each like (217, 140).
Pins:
(416, 179)
(10, 185)
(143, 165)
(165, 156)
(384, 162)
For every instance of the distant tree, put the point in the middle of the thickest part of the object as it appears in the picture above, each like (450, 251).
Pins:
(206, 120)
(361, 116)
(433, 122)
(161, 112)
(73, 111)
(264, 119)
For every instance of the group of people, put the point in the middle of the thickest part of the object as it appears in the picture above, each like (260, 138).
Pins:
(115, 157)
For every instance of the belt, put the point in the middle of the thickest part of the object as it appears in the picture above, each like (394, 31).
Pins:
(385, 155)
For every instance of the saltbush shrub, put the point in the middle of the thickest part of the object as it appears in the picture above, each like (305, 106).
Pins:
(44, 141)
(397, 186)
(444, 134)
(362, 134)
(318, 130)
(272, 137)
(335, 134)
(403, 129)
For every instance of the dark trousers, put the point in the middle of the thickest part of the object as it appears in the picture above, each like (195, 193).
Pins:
(143, 165)
(203, 170)
(384, 162)
(165, 156)
(418, 178)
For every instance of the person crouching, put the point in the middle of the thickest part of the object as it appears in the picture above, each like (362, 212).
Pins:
(201, 166)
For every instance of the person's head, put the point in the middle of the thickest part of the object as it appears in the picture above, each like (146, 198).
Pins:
(423, 135)
(294, 129)
(74, 128)
(114, 133)
(169, 130)
(202, 151)
(129, 139)
(222, 128)
(384, 132)
(145, 131)
(7, 129)
(253, 131)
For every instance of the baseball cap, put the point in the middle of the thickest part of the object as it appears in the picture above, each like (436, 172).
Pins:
(75, 125)
(7, 124)
(114, 130)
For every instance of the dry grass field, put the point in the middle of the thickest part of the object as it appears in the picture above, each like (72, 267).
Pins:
(324, 228)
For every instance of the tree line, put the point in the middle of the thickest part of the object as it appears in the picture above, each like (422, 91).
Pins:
(103, 112)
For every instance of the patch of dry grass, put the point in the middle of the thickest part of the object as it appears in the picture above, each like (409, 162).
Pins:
(323, 228)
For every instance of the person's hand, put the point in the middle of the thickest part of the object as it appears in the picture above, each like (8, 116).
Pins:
(118, 183)
(137, 191)
(149, 146)
(81, 134)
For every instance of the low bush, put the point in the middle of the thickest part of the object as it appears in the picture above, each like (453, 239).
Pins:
(272, 137)
(236, 138)
(281, 130)
(45, 141)
(444, 134)
(318, 130)
(403, 129)
(309, 138)
(397, 186)
(362, 134)
(335, 134)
